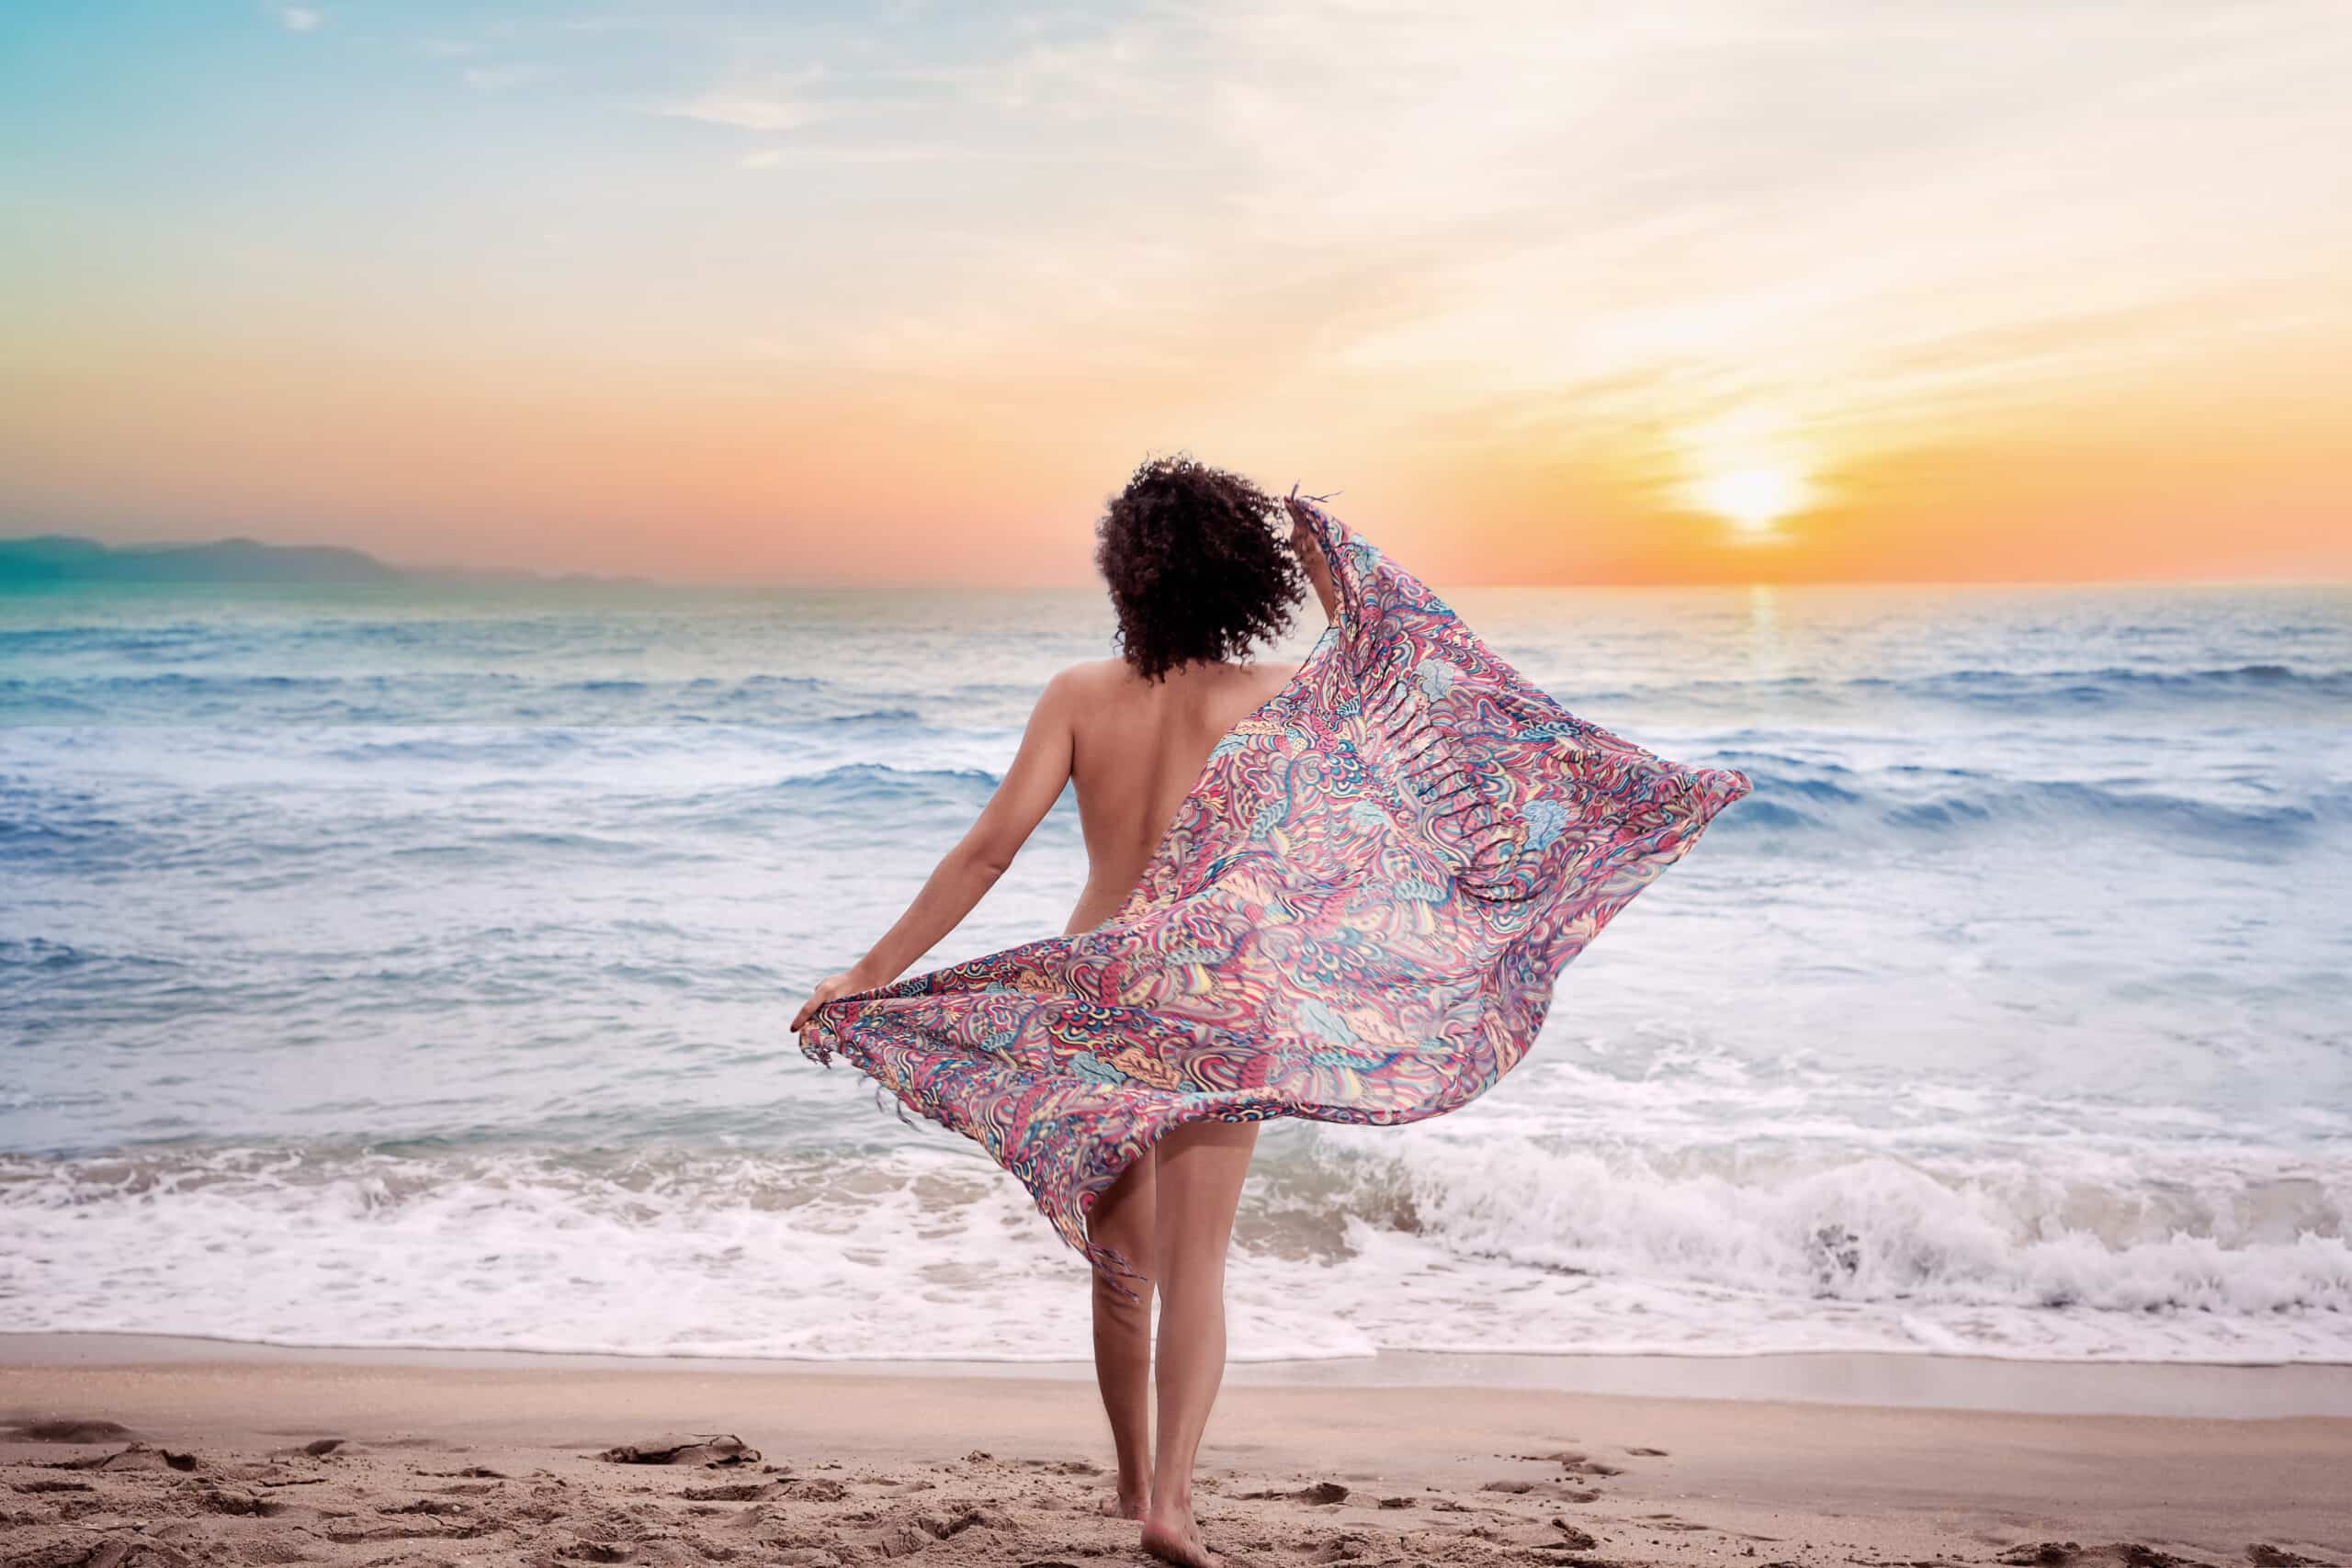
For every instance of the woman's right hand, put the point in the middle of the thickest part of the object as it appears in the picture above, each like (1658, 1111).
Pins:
(1308, 546)
(849, 982)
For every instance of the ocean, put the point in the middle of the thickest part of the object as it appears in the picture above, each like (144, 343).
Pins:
(408, 966)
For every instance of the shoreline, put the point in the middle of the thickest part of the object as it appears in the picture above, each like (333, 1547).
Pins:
(1878, 1380)
(186, 1459)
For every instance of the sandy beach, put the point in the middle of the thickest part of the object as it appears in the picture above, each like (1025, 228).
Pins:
(148, 1452)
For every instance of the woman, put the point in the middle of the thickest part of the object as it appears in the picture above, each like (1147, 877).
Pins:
(1199, 579)
(1339, 891)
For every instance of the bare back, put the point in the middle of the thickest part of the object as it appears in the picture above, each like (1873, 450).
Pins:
(1134, 748)
(1137, 750)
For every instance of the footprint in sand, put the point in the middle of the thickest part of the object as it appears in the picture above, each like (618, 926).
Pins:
(1668, 1522)
(2131, 1553)
(709, 1449)
(71, 1430)
(736, 1491)
(1345, 1548)
(1555, 1490)
(1322, 1494)
(818, 1490)
(138, 1456)
(436, 1507)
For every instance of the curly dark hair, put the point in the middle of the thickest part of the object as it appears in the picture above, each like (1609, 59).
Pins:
(1195, 567)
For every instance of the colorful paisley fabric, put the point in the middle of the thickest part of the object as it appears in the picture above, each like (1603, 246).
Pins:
(1357, 915)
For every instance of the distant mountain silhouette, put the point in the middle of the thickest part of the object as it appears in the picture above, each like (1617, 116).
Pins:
(63, 557)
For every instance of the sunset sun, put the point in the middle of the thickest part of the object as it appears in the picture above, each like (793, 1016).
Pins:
(1752, 500)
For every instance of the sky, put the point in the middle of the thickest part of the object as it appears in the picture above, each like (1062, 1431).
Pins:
(1685, 291)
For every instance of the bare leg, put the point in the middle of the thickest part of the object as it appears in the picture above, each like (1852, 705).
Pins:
(1123, 1219)
(1201, 1169)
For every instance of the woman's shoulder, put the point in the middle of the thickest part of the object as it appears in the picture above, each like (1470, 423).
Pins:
(1092, 681)
(1102, 684)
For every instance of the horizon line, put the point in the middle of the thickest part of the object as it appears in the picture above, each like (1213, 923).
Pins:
(555, 576)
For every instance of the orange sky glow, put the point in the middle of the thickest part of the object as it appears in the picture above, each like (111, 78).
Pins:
(1700, 292)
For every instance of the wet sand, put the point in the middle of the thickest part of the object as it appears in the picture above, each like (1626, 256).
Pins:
(128, 1455)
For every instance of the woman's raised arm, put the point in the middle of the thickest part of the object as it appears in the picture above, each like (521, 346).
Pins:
(1308, 547)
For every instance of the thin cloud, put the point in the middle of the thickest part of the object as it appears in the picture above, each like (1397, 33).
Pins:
(910, 153)
(1126, 67)
(767, 102)
(610, 25)
(745, 111)
(299, 18)
(498, 78)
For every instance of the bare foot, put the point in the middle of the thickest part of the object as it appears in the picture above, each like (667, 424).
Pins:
(1120, 1506)
(1179, 1541)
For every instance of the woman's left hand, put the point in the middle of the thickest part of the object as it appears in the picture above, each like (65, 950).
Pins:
(847, 982)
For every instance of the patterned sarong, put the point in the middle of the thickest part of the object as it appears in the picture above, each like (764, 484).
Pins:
(1356, 916)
